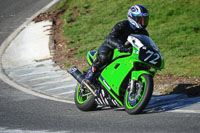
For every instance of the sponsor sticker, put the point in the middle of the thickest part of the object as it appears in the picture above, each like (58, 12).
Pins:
(106, 84)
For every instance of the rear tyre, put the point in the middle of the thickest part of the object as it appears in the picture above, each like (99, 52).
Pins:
(135, 103)
(83, 98)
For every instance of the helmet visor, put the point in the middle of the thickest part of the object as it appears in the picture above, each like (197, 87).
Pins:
(143, 21)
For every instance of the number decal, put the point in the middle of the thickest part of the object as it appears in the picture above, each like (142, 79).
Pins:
(154, 60)
(150, 54)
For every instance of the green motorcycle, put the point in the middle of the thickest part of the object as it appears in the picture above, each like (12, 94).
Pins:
(127, 81)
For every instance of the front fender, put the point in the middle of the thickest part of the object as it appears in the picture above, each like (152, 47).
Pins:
(136, 74)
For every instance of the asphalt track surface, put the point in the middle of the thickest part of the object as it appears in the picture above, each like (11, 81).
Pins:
(20, 112)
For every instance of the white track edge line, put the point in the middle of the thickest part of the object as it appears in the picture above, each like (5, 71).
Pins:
(185, 111)
(7, 42)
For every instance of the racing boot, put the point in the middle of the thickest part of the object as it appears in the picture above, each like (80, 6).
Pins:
(90, 74)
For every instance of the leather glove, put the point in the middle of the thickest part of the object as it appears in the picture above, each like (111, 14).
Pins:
(123, 49)
(120, 45)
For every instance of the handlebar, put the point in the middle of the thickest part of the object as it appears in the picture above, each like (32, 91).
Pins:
(129, 50)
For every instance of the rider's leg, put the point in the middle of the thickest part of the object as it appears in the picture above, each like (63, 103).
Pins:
(103, 57)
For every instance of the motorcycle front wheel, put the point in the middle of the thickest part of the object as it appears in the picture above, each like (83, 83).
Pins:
(83, 98)
(135, 102)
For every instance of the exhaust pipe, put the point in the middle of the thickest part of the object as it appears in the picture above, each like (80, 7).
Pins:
(81, 79)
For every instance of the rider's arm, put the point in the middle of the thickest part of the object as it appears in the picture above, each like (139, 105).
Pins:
(112, 39)
(145, 32)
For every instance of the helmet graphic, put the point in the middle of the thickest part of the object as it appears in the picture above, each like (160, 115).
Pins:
(138, 16)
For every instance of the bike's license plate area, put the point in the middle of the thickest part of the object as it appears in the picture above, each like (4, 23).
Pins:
(150, 56)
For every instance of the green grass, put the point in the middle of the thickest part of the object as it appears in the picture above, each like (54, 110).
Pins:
(174, 25)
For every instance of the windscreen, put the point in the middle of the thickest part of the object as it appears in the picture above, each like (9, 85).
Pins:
(146, 41)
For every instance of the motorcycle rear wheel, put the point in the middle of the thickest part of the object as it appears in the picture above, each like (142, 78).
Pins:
(135, 106)
(84, 100)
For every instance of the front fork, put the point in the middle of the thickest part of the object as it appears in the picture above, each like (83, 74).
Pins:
(132, 88)
(136, 85)
(134, 77)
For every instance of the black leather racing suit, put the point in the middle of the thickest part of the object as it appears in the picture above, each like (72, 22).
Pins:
(117, 36)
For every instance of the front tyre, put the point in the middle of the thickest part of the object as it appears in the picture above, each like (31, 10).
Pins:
(135, 102)
(83, 98)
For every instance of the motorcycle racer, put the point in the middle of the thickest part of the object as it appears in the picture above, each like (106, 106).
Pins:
(137, 22)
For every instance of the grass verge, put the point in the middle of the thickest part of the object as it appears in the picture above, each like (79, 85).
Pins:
(174, 26)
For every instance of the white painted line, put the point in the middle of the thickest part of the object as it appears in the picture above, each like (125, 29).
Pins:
(185, 111)
(44, 63)
(69, 92)
(5, 130)
(28, 68)
(5, 45)
(55, 76)
(36, 73)
(49, 83)
(21, 79)
(28, 90)
(60, 87)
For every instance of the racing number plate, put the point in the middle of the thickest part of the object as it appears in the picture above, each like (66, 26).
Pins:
(150, 56)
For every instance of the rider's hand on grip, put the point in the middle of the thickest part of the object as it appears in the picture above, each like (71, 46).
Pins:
(124, 49)
(127, 44)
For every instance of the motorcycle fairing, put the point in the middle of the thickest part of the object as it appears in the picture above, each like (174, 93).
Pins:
(118, 65)
(114, 98)
(114, 74)
(107, 97)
